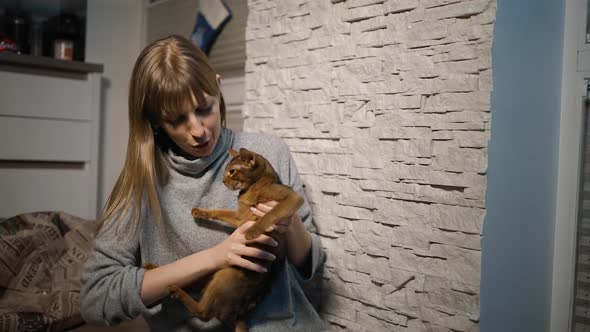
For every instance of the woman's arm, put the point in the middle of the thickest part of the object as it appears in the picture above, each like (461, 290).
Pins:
(298, 241)
(182, 272)
(304, 246)
(111, 279)
(306, 252)
(114, 288)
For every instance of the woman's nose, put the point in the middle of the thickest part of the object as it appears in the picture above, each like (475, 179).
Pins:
(196, 128)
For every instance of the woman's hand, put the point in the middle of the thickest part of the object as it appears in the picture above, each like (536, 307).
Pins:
(298, 238)
(231, 251)
(263, 208)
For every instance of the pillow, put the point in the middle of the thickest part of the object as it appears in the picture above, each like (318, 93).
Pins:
(41, 257)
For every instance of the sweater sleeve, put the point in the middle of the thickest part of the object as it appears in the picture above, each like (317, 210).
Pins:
(111, 279)
(315, 258)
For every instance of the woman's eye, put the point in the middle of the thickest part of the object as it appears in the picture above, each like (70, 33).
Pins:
(179, 120)
(204, 111)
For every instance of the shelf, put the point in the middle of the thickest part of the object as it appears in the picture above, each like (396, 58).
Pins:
(41, 62)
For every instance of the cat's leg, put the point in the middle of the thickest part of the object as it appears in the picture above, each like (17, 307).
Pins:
(229, 216)
(200, 309)
(241, 326)
(285, 208)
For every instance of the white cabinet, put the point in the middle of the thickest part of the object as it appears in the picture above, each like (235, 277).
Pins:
(50, 135)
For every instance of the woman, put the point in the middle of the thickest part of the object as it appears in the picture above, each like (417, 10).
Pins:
(176, 154)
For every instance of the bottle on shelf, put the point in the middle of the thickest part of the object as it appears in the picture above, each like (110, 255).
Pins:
(18, 29)
(64, 35)
(36, 38)
(6, 43)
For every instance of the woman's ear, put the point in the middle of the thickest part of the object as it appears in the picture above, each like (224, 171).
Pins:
(156, 130)
(218, 79)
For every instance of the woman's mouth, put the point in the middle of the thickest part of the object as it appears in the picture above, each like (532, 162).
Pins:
(201, 146)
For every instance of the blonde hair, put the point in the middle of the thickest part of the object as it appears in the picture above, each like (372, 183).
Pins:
(167, 73)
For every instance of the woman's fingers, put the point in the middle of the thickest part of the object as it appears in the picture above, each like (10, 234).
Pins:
(244, 227)
(234, 251)
(257, 212)
(253, 252)
(262, 239)
(239, 251)
(281, 226)
(285, 222)
(265, 239)
(238, 260)
(270, 204)
(264, 207)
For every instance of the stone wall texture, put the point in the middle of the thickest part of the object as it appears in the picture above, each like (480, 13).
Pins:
(385, 105)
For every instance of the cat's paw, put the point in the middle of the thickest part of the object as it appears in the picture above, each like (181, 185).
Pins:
(253, 232)
(198, 213)
(174, 291)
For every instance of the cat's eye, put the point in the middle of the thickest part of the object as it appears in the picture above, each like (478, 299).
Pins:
(231, 172)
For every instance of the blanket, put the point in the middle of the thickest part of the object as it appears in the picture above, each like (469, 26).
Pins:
(41, 257)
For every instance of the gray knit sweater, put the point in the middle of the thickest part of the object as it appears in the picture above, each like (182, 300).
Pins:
(112, 277)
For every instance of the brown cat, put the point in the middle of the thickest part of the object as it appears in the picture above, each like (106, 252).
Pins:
(230, 294)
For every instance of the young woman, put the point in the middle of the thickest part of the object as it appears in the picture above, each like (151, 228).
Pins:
(176, 154)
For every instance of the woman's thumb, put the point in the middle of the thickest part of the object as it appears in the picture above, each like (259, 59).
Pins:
(246, 225)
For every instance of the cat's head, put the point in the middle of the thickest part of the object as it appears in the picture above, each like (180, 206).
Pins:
(245, 169)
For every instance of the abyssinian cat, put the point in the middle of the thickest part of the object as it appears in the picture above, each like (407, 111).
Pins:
(230, 294)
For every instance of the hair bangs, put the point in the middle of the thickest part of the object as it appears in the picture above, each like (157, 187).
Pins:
(170, 96)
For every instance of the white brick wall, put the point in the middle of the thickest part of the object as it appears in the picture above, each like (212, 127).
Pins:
(386, 107)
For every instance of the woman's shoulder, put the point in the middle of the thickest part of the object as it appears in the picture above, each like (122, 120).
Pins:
(263, 143)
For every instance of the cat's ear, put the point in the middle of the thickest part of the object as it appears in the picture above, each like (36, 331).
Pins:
(247, 156)
(233, 153)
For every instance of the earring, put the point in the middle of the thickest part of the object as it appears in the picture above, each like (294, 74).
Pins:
(155, 131)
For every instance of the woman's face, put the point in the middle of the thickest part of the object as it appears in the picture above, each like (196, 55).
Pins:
(196, 130)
